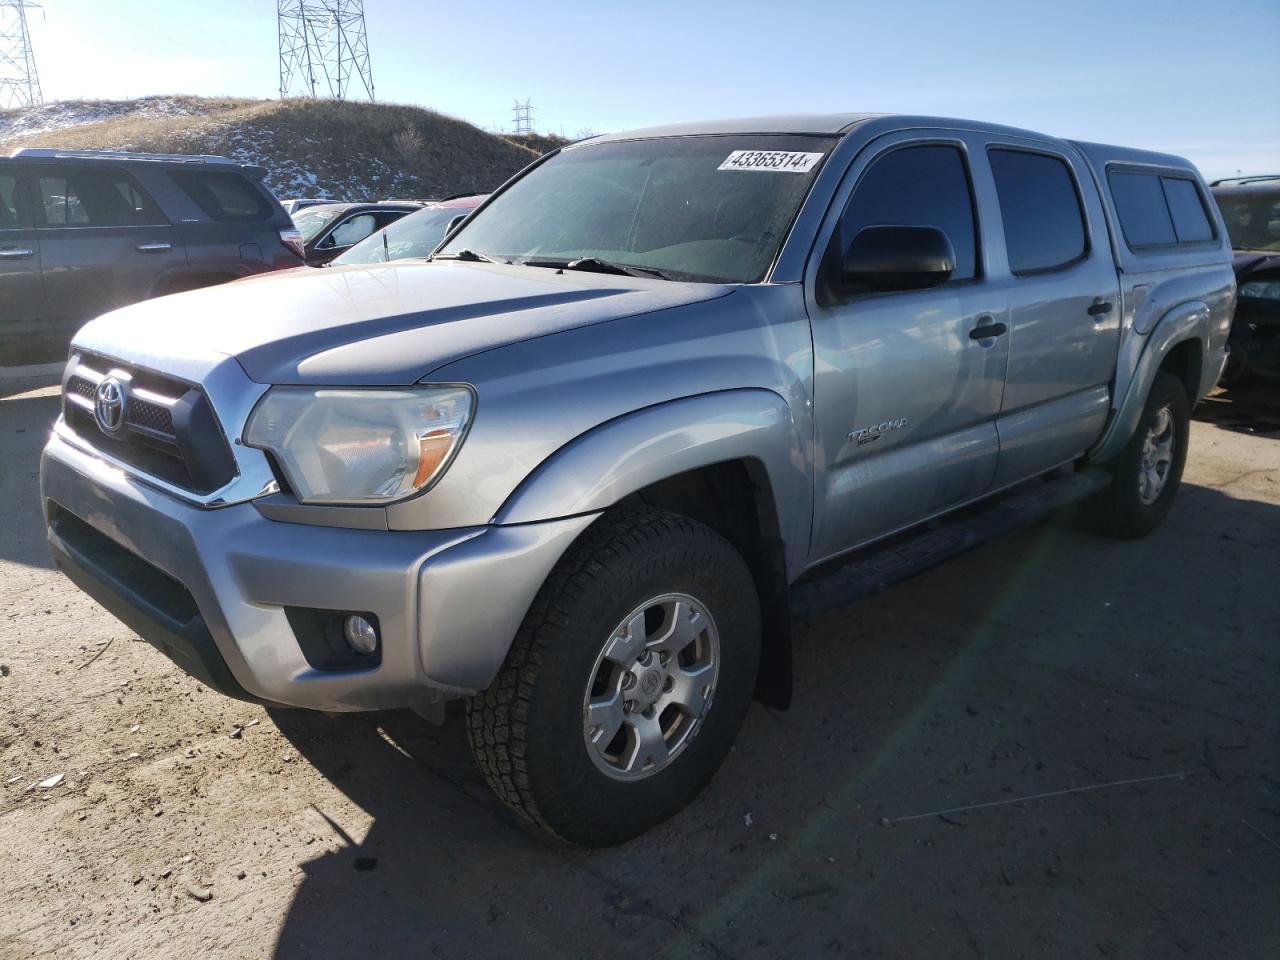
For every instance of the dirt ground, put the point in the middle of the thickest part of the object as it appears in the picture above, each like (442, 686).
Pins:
(189, 825)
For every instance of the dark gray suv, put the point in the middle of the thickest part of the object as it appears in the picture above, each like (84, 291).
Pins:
(83, 232)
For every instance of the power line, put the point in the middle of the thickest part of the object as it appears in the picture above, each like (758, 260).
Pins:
(19, 81)
(323, 47)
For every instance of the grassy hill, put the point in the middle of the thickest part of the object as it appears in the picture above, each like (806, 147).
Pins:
(319, 148)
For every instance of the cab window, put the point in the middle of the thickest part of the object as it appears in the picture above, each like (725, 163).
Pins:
(924, 186)
(1040, 209)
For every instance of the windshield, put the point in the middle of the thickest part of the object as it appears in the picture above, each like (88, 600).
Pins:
(413, 236)
(311, 220)
(1252, 218)
(713, 208)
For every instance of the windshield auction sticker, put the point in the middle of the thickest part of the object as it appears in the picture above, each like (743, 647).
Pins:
(770, 161)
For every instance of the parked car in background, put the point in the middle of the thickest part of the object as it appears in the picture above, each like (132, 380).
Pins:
(293, 206)
(416, 235)
(332, 228)
(584, 465)
(83, 232)
(1251, 210)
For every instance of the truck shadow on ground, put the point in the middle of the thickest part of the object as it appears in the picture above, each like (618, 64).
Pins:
(941, 692)
(24, 426)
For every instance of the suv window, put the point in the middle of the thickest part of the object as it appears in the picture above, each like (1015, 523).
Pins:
(925, 186)
(95, 197)
(9, 218)
(1040, 208)
(1252, 218)
(222, 195)
(1157, 210)
(1190, 222)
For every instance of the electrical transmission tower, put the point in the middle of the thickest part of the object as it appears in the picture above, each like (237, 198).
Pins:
(522, 113)
(323, 48)
(19, 82)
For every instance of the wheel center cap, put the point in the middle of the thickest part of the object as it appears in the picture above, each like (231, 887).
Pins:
(651, 683)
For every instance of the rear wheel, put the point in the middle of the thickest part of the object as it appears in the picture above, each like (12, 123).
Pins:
(1147, 473)
(627, 683)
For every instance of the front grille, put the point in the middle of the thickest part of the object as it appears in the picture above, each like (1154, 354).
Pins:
(169, 429)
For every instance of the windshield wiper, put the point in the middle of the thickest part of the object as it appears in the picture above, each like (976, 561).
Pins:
(470, 256)
(596, 265)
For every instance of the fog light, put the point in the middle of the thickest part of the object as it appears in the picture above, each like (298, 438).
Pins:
(360, 634)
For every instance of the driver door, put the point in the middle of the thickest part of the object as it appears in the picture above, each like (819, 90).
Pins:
(906, 391)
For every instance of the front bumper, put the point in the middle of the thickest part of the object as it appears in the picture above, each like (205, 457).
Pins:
(209, 587)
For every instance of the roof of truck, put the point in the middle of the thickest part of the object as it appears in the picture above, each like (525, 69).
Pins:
(838, 124)
(813, 123)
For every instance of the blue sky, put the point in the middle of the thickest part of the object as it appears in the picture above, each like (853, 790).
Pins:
(1197, 79)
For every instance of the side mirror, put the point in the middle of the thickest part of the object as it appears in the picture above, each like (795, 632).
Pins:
(884, 258)
(454, 223)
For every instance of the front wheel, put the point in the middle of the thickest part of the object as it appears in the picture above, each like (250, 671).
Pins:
(627, 682)
(1147, 473)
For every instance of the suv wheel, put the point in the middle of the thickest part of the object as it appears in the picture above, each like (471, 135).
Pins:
(627, 682)
(1147, 473)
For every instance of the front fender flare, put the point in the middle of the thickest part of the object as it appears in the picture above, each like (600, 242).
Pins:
(1187, 321)
(599, 468)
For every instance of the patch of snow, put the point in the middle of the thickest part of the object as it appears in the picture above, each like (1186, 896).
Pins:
(58, 115)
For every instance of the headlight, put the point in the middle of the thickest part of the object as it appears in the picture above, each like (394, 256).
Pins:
(360, 446)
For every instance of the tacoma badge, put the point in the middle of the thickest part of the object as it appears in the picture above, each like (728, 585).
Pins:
(868, 434)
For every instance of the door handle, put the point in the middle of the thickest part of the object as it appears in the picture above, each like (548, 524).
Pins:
(985, 331)
(157, 247)
(17, 253)
(1099, 308)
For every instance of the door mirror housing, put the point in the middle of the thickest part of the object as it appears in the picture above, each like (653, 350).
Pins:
(453, 224)
(885, 258)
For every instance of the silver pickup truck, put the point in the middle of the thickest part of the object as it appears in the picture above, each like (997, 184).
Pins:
(661, 395)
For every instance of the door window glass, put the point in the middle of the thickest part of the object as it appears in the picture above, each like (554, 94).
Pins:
(1040, 209)
(95, 198)
(353, 231)
(925, 186)
(9, 219)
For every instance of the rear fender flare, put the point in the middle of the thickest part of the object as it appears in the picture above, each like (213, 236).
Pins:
(1187, 321)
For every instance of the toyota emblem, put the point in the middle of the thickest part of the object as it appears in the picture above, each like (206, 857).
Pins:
(108, 405)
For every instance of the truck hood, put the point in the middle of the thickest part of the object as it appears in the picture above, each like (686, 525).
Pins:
(386, 324)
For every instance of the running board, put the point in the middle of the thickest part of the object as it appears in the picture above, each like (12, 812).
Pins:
(907, 554)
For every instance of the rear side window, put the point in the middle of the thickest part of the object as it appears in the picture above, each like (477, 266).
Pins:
(926, 186)
(1040, 208)
(95, 197)
(1190, 222)
(224, 196)
(1159, 211)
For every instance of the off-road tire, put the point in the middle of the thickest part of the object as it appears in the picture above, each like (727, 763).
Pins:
(526, 730)
(1118, 511)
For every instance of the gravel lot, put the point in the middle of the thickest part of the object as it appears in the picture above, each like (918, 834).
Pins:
(187, 824)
